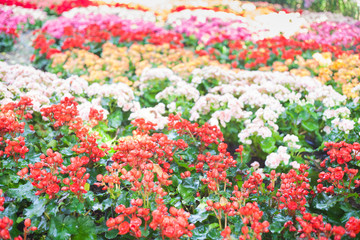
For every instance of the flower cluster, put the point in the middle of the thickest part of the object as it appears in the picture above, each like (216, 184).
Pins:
(133, 214)
(44, 174)
(311, 226)
(294, 190)
(173, 226)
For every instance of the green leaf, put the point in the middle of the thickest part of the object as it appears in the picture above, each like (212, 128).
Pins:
(106, 204)
(23, 191)
(76, 206)
(86, 229)
(36, 209)
(200, 233)
(214, 232)
(187, 194)
(323, 202)
(111, 234)
(58, 228)
(115, 119)
(304, 115)
(69, 227)
(52, 207)
(277, 224)
(71, 224)
(310, 125)
(200, 215)
(268, 145)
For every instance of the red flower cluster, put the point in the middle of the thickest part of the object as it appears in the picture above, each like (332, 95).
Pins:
(213, 8)
(134, 215)
(41, 178)
(11, 113)
(10, 116)
(44, 46)
(24, 4)
(77, 174)
(88, 141)
(147, 154)
(75, 41)
(70, 4)
(251, 215)
(265, 50)
(336, 176)
(143, 148)
(66, 113)
(342, 152)
(94, 33)
(9, 31)
(273, 176)
(313, 226)
(216, 167)
(250, 186)
(353, 227)
(293, 190)
(61, 114)
(44, 175)
(339, 177)
(5, 224)
(173, 226)
(2, 201)
(222, 209)
(206, 134)
(15, 148)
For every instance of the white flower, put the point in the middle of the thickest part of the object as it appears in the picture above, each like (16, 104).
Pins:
(255, 165)
(291, 141)
(295, 165)
(152, 114)
(273, 160)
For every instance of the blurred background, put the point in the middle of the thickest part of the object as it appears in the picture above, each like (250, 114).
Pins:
(346, 7)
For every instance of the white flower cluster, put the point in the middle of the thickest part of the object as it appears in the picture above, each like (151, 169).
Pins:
(180, 88)
(216, 72)
(291, 141)
(201, 15)
(152, 114)
(17, 81)
(34, 14)
(130, 14)
(275, 24)
(345, 125)
(258, 94)
(342, 112)
(340, 120)
(204, 104)
(273, 160)
(150, 74)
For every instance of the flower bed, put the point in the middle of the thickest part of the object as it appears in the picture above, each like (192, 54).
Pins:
(14, 19)
(184, 122)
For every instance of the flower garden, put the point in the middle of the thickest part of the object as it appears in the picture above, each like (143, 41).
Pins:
(179, 120)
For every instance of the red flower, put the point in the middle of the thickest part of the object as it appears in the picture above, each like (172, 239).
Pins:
(124, 228)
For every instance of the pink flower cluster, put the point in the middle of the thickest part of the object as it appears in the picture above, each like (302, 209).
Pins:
(9, 22)
(213, 29)
(80, 22)
(333, 33)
